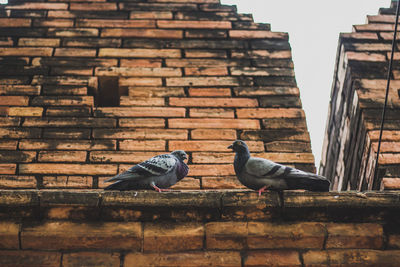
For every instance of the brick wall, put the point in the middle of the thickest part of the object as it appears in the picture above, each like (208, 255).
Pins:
(354, 119)
(89, 88)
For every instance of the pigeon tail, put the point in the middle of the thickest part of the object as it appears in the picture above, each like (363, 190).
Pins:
(119, 185)
(311, 183)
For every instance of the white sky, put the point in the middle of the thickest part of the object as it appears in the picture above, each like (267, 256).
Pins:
(313, 27)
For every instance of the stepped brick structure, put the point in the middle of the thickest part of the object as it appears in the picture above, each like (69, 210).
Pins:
(354, 119)
(89, 88)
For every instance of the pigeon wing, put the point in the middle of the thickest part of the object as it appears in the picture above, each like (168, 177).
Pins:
(156, 166)
(263, 168)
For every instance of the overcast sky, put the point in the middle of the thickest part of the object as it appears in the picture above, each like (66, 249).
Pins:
(313, 27)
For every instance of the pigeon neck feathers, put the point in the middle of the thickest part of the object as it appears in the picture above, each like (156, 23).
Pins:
(241, 157)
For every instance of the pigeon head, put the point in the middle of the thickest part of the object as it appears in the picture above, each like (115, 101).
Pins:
(180, 154)
(239, 146)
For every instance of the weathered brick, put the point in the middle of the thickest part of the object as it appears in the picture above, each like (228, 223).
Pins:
(6, 41)
(25, 111)
(64, 90)
(17, 181)
(142, 33)
(8, 121)
(226, 235)
(221, 183)
(17, 156)
(115, 23)
(7, 100)
(140, 145)
(288, 236)
(70, 181)
(49, 144)
(52, 42)
(163, 236)
(191, 53)
(60, 80)
(75, 52)
(93, 6)
(252, 71)
(119, 156)
(8, 168)
(69, 122)
(34, 5)
(141, 53)
(15, 22)
(364, 56)
(206, 71)
(140, 82)
(14, 258)
(71, 71)
(193, 259)
(156, 91)
(91, 42)
(210, 145)
(68, 235)
(62, 101)
(280, 54)
(272, 258)
(211, 170)
(26, 51)
(71, 169)
(15, 133)
(214, 123)
(62, 156)
(9, 235)
(68, 111)
(210, 92)
(219, 134)
(203, 62)
(187, 184)
(138, 72)
(188, 24)
(128, 133)
(19, 89)
(251, 34)
(91, 259)
(8, 144)
(135, 101)
(203, 81)
(211, 113)
(73, 32)
(140, 112)
(374, 27)
(53, 23)
(364, 235)
(212, 102)
(141, 122)
(205, 34)
(151, 15)
(206, 157)
(146, 63)
(270, 113)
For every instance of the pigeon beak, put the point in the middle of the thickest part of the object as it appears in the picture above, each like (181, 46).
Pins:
(230, 147)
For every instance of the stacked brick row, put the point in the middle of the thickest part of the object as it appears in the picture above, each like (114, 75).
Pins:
(354, 119)
(191, 75)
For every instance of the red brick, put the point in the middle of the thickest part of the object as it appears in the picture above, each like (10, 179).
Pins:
(128, 133)
(387, 135)
(147, 63)
(93, 6)
(8, 121)
(68, 235)
(139, 52)
(141, 122)
(204, 134)
(253, 71)
(209, 92)
(226, 235)
(61, 14)
(163, 236)
(288, 236)
(211, 170)
(280, 54)
(142, 145)
(206, 71)
(203, 81)
(72, 169)
(140, 82)
(191, 53)
(115, 23)
(91, 259)
(364, 56)
(70, 122)
(214, 123)
(69, 181)
(52, 42)
(156, 91)
(9, 235)
(120, 156)
(201, 62)
(393, 241)
(140, 112)
(211, 113)
(15, 22)
(7, 168)
(389, 183)
(20, 89)
(243, 34)
(16, 133)
(272, 258)
(360, 35)
(17, 156)
(8, 144)
(29, 144)
(151, 15)
(288, 157)
(374, 27)
(68, 112)
(212, 102)
(138, 72)
(6, 41)
(270, 113)
(25, 111)
(187, 184)
(7, 100)
(142, 33)
(134, 101)
(205, 34)
(62, 156)
(34, 6)
(360, 235)
(193, 24)
(266, 91)
(73, 32)
(21, 258)
(26, 51)
(53, 23)
(17, 181)
(203, 145)
(71, 71)
(192, 259)
(221, 183)
(75, 52)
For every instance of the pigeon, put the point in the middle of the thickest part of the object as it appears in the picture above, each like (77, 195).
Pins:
(261, 174)
(158, 173)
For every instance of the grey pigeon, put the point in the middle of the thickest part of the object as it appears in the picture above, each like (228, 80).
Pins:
(262, 174)
(158, 173)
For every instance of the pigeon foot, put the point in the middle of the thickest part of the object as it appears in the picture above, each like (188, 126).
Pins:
(262, 189)
(159, 189)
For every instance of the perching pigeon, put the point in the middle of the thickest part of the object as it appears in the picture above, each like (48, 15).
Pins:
(262, 174)
(158, 173)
